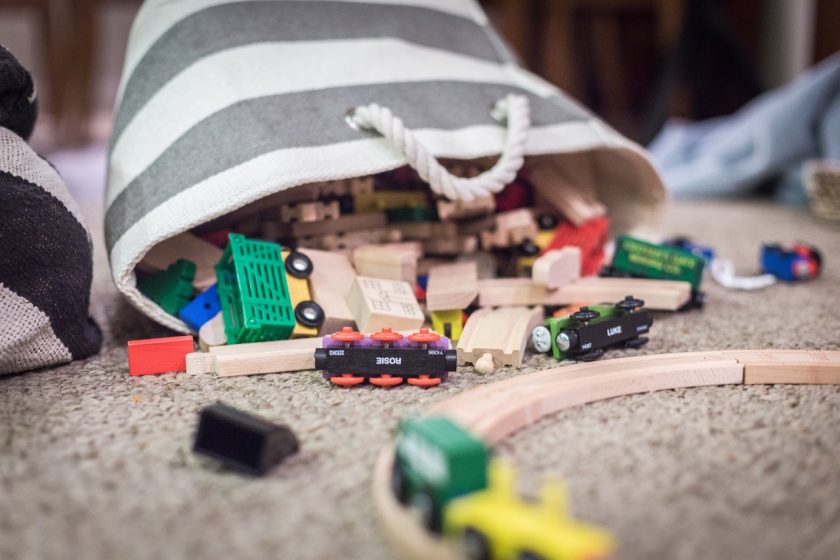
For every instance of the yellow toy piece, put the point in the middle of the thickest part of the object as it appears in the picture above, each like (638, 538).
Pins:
(449, 323)
(299, 292)
(379, 201)
(496, 524)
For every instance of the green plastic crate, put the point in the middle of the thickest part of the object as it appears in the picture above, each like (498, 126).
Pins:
(252, 289)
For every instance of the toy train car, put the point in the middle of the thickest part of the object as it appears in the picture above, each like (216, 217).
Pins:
(446, 476)
(641, 259)
(386, 358)
(790, 263)
(585, 334)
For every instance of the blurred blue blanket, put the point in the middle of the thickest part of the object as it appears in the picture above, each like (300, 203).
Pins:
(768, 138)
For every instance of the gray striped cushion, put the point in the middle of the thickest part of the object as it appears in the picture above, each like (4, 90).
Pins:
(224, 102)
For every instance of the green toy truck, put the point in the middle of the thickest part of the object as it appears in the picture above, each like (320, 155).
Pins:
(436, 461)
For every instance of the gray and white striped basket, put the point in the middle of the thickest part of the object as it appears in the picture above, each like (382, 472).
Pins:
(224, 102)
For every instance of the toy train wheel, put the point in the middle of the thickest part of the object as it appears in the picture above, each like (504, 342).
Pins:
(347, 335)
(424, 336)
(424, 505)
(398, 484)
(386, 380)
(585, 315)
(476, 545)
(590, 356)
(309, 314)
(346, 380)
(299, 265)
(630, 304)
(386, 335)
(424, 380)
(637, 342)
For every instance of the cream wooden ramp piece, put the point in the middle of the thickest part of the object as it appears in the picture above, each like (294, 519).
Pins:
(494, 411)
(502, 333)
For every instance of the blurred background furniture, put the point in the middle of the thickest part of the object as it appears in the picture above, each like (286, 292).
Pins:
(634, 62)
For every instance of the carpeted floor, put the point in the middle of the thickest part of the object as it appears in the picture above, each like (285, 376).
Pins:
(97, 465)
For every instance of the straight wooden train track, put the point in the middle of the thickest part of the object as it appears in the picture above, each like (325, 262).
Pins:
(494, 411)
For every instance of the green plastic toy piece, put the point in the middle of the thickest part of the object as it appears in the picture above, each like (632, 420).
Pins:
(172, 288)
(411, 214)
(660, 262)
(436, 461)
(252, 287)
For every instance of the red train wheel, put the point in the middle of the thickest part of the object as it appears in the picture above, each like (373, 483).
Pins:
(424, 336)
(386, 380)
(424, 380)
(346, 380)
(347, 335)
(386, 336)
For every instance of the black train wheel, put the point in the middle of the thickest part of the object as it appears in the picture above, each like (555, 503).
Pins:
(476, 545)
(309, 314)
(630, 304)
(299, 265)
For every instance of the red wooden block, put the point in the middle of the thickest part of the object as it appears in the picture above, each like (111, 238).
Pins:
(589, 236)
(159, 355)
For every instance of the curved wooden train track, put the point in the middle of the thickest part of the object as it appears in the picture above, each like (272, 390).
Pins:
(494, 411)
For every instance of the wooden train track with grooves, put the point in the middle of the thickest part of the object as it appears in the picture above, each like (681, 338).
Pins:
(494, 411)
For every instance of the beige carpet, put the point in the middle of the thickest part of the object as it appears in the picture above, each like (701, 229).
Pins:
(97, 465)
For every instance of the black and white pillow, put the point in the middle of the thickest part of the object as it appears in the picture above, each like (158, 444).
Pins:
(46, 261)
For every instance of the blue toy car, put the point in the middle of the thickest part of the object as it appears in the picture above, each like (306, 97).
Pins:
(791, 262)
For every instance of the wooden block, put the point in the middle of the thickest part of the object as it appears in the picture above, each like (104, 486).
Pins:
(200, 363)
(658, 294)
(574, 199)
(475, 226)
(451, 247)
(212, 333)
(378, 303)
(512, 228)
(459, 209)
(331, 279)
(348, 223)
(389, 261)
(452, 286)
(350, 240)
(159, 355)
(556, 268)
(309, 211)
(503, 333)
(185, 246)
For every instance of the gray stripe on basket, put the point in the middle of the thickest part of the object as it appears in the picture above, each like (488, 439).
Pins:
(254, 127)
(242, 23)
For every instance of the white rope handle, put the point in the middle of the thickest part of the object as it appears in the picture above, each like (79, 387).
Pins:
(514, 109)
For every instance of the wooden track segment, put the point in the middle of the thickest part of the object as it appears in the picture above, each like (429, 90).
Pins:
(788, 366)
(503, 333)
(657, 294)
(496, 410)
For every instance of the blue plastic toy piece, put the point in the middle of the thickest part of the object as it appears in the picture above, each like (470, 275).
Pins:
(201, 309)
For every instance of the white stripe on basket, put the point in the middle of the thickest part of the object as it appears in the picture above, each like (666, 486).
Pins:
(275, 171)
(156, 17)
(250, 72)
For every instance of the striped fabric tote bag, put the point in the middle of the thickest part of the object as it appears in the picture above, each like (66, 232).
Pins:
(223, 103)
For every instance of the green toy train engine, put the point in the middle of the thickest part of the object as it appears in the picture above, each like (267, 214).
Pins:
(435, 462)
(585, 334)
